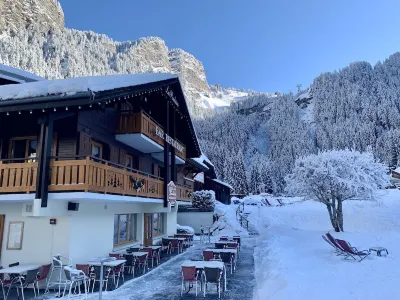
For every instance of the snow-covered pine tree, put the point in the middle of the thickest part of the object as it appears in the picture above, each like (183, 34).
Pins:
(203, 200)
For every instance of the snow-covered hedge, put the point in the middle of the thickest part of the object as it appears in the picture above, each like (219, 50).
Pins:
(203, 199)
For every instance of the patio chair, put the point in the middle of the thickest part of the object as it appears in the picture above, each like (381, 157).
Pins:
(208, 255)
(96, 276)
(229, 259)
(129, 264)
(223, 238)
(141, 261)
(150, 255)
(58, 264)
(190, 275)
(166, 246)
(352, 252)
(75, 277)
(22, 282)
(175, 245)
(338, 250)
(213, 276)
(42, 275)
(85, 268)
(118, 272)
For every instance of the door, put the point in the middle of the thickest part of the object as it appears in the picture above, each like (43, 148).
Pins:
(148, 229)
(2, 217)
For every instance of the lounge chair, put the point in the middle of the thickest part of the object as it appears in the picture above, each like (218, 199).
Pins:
(351, 251)
(338, 250)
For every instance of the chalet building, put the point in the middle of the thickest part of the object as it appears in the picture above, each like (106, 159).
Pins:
(87, 164)
(206, 179)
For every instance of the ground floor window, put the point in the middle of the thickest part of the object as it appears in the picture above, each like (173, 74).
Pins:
(125, 227)
(158, 224)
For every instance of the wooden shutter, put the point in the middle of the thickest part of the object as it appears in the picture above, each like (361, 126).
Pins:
(114, 154)
(122, 157)
(85, 147)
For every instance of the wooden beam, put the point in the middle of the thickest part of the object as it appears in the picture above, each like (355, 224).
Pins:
(166, 158)
(173, 164)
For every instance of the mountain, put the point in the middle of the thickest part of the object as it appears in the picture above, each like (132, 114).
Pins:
(15, 14)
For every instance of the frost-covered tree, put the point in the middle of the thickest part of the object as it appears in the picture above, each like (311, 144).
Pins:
(332, 177)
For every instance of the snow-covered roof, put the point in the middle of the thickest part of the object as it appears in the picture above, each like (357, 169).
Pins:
(223, 183)
(200, 162)
(397, 170)
(71, 86)
(188, 179)
(17, 75)
(203, 159)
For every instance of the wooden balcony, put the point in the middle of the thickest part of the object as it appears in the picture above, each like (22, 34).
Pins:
(84, 174)
(131, 123)
(183, 192)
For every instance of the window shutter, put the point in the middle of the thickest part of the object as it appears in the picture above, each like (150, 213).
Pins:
(84, 144)
(122, 157)
(114, 154)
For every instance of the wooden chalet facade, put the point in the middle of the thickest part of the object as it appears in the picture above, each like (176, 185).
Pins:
(96, 154)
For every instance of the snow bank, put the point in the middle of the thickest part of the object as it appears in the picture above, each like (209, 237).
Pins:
(293, 262)
(227, 223)
(188, 229)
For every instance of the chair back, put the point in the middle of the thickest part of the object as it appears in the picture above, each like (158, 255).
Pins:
(223, 238)
(142, 258)
(1, 275)
(44, 272)
(83, 268)
(189, 273)
(133, 249)
(208, 255)
(31, 276)
(149, 251)
(226, 257)
(212, 274)
(165, 242)
(129, 259)
(174, 243)
(67, 271)
(116, 255)
(231, 245)
(333, 241)
(118, 268)
(345, 246)
(219, 246)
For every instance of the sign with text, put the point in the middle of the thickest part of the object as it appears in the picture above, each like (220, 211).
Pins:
(171, 193)
(199, 177)
(169, 140)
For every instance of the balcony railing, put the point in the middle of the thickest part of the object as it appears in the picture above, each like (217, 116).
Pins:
(80, 174)
(130, 122)
(183, 192)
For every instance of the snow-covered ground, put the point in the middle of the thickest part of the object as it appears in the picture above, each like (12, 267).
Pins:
(292, 261)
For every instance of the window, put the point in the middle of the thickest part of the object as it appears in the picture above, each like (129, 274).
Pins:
(158, 224)
(23, 147)
(131, 161)
(125, 229)
(97, 150)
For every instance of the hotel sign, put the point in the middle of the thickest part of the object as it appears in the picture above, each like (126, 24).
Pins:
(171, 193)
(174, 143)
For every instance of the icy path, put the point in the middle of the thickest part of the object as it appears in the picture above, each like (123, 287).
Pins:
(164, 282)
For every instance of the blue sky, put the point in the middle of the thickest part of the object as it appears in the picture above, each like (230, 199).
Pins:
(265, 45)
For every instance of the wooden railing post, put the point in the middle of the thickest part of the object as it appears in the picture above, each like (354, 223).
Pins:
(106, 177)
(87, 168)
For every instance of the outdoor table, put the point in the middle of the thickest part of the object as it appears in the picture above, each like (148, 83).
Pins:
(112, 263)
(138, 253)
(233, 251)
(201, 264)
(187, 236)
(19, 270)
(156, 249)
(379, 250)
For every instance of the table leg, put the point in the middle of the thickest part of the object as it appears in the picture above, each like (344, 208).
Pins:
(226, 288)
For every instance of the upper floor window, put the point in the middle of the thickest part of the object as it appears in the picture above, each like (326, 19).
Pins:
(23, 147)
(97, 150)
(132, 162)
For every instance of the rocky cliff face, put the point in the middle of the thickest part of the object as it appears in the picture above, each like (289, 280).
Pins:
(15, 14)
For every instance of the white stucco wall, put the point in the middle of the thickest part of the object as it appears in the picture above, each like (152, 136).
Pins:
(195, 219)
(40, 239)
(80, 235)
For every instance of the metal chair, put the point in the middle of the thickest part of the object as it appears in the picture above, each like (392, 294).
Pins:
(208, 255)
(130, 264)
(228, 259)
(43, 275)
(73, 277)
(59, 262)
(1, 283)
(23, 281)
(190, 275)
(141, 261)
(213, 276)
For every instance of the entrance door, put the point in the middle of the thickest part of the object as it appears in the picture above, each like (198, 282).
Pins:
(2, 217)
(148, 229)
